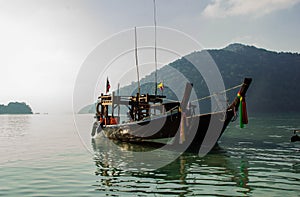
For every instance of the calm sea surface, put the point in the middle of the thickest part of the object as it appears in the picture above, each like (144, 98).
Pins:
(48, 155)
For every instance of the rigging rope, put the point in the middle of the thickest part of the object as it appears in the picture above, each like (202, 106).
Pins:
(171, 100)
(206, 97)
(215, 94)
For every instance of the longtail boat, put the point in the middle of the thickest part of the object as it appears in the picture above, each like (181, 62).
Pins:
(150, 119)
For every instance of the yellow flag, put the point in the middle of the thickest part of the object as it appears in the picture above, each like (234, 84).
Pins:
(160, 86)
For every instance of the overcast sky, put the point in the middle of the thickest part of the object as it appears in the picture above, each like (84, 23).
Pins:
(44, 43)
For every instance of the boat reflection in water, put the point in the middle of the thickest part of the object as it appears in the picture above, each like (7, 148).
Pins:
(217, 173)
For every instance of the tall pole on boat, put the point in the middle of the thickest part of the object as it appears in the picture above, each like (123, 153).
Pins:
(119, 99)
(136, 62)
(155, 52)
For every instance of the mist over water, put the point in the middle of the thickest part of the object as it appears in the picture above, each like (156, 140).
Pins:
(43, 155)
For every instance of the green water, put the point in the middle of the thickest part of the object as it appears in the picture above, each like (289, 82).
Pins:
(43, 155)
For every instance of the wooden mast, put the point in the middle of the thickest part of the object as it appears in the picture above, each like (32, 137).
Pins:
(135, 107)
(136, 62)
(119, 100)
(155, 52)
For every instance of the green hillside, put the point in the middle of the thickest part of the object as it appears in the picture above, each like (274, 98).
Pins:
(275, 76)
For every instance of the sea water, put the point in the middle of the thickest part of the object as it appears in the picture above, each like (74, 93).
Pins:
(54, 155)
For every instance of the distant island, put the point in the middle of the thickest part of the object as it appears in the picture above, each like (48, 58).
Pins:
(89, 109)
(15, 108)
(275, 77)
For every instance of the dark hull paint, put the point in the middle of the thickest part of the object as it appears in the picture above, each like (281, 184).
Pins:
(157, 128)
(201, 132)
(195, 132)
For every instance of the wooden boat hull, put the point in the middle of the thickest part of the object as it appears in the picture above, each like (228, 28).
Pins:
(161, 127)
(207, 132)
(197, 133)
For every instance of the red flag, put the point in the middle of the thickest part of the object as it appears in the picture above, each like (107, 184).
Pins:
(107, 85)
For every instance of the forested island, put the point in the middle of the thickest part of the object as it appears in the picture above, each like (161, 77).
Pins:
(275, 77)
(15, 108)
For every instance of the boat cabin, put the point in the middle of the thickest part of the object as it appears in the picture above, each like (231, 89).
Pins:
(140, 107)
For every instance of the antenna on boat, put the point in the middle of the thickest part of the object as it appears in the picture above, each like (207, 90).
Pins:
(118, 100)
(136, 62)
(155, 52)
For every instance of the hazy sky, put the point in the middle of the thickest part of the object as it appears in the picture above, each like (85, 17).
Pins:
(43, 43)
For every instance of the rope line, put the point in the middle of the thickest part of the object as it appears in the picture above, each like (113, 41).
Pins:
(171, 100)
(215, 94)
